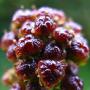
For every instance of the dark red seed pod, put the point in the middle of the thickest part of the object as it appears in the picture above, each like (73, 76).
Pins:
(11, 53)
(27, 37)
(44, 24)
(26, 28)
(78, 51)
(26, 47)
(50, 72)
(25, 69)
(21, 16)
(72, 83)
(57, 15)
(52, 51)
(7, 40)
(62, 35)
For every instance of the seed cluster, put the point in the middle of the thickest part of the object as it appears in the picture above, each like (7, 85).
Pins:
(46, 48)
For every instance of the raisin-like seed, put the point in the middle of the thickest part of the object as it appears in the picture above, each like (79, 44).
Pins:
(20, 17)
(11, 53)
(43, 25)
(62, 35)
(72, 82)
(26, 28)
(78, 51)
(27, 46)
(7, 40)
(50, 72)
(52, 51)
(25, 69)
(57, 15)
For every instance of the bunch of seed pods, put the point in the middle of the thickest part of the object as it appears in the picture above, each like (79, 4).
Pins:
(46, 48)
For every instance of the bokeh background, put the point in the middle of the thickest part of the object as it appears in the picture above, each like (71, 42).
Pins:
(79, 10)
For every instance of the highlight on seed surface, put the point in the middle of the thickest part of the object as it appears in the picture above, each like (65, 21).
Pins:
(46, 48)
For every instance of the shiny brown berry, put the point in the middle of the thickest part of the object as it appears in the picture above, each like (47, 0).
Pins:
(7, 40)
(78, 51)
(50, 72)
(62, 35)
(21, 12)
(20, 17)
(27, 47)
(26, 28)
(72, 83)
(44, 24)
(57, 15)
(11, 53)
(25, 69)
(52, 51)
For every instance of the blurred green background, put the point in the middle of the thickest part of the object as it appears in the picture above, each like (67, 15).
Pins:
(79, 10)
